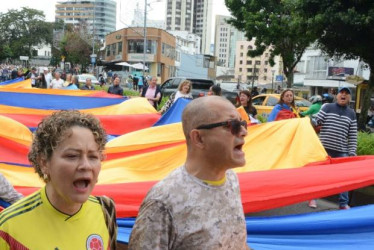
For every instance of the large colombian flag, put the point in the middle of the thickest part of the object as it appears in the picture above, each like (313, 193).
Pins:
(285, 164)
(119, 115)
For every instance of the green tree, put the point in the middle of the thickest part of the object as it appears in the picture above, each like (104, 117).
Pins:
(21, 30)
(75, 44)
(274, 24)
(345, 29)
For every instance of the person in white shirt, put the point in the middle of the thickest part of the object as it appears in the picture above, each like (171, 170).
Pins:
(34, 77)
(57, 83)
(48, 76)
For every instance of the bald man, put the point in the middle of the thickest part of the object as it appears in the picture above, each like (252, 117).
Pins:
(198, 206)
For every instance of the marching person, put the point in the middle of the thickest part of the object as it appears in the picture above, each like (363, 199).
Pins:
(152, 92)
(338, 133)
(115, 88)
(66, 153)
(198, 206)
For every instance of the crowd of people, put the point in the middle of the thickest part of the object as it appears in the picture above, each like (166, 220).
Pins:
(192, 208)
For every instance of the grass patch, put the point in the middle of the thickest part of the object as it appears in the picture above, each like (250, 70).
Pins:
(129, 92)
(162, 103)
(126, 92)
(365, 143)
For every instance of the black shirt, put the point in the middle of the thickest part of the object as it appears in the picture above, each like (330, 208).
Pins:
(116, 90)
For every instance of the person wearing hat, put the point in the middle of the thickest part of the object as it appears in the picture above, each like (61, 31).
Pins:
(338, 132)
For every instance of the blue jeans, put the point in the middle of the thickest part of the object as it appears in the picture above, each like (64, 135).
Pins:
(343, 197)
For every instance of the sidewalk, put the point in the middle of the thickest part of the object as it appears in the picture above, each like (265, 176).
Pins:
(299, 208)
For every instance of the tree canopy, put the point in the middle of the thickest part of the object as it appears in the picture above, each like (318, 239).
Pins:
(345, 28)
(74, 43)
(274, 24)
(21, 30)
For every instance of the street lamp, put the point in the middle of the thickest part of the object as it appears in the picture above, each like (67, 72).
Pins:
(145, 35)
(272, 80)
(145, 31)
(93, 55)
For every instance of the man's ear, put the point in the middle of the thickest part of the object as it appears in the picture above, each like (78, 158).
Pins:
(197, 138)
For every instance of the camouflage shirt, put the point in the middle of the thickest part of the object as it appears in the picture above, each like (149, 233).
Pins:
(183, 212)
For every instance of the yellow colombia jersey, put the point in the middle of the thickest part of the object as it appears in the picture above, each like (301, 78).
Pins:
(33, 223)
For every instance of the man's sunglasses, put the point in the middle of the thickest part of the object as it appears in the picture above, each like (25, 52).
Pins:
(233, 125)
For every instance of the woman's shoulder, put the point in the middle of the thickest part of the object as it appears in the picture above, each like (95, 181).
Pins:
(278, 106)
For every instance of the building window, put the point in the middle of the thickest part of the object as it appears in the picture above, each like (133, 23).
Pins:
(265, 70)
(241, 54)
(137, 46)
(240, 69)
(249, 62)
(240, 62)
(113, 49)
(250, 47)
(266, 62)
(108, 50)
(119, 48)
(265, 77)
(241, 46)
(168, 51)
(258, 62)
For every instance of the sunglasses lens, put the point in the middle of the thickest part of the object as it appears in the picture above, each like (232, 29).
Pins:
(235, 126)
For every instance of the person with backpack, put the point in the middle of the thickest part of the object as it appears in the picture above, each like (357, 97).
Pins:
(152, 92)
(286, 108)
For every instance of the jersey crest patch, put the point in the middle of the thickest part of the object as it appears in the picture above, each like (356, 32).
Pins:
(94, 242)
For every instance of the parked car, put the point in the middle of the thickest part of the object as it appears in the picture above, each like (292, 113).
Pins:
(82, 79)
(233, 86)
(265, 103)
(200, 87)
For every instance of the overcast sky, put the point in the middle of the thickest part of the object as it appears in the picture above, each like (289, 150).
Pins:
(125, 9)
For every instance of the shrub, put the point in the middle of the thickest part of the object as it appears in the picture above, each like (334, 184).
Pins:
(129, 92)
(163, 100)
(365, 143)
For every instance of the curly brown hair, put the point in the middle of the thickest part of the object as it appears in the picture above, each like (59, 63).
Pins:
(52, 130)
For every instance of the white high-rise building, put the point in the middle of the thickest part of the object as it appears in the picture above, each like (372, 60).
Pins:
(98, 15)
(225, 40)
(202, 23)
(193, 16)
(179, 15)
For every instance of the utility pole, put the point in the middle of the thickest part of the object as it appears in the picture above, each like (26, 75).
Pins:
(145, 35)
(93, 55)
(272, 80)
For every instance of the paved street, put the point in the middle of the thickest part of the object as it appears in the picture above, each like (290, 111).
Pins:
(299, 208)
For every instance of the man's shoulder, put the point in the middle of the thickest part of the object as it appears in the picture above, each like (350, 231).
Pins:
(168, 184)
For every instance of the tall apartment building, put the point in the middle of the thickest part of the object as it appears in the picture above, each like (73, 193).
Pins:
(179, 15)
(202, 23)
(257, 69)
(225, 40)
(98, 15)
(193, 16)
